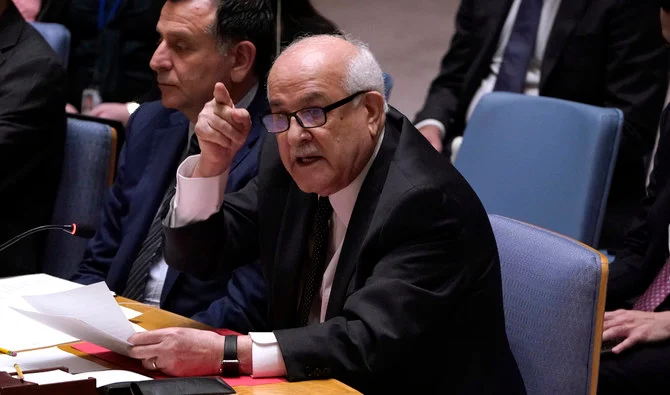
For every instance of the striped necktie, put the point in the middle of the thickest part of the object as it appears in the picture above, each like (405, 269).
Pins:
(151, 251)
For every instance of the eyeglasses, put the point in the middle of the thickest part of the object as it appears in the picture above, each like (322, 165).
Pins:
(310, 117)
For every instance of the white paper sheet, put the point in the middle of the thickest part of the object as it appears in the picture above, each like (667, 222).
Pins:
(18, 332)
(48, 358)
(101, 377)
(34, 284)
(92, 304)
(81, 330)
(88, 313)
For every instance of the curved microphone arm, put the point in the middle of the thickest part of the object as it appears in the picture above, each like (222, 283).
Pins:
(71, 229)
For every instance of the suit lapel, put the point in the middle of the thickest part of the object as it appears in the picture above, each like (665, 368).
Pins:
(167, 146)
(361, 218)
(256, 108)
(496, 14)
(289, 256)
(569, 15)
(11, 25)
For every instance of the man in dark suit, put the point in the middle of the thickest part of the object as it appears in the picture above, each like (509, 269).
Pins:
(127, 250)
(32, 135)
(606, 53)
(377, 254)
(637, 323)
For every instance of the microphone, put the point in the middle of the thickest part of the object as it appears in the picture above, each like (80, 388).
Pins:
(79, 230)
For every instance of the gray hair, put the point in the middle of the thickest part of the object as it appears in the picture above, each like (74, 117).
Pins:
(363, 71)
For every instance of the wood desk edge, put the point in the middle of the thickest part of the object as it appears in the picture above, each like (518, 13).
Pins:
(155, 318)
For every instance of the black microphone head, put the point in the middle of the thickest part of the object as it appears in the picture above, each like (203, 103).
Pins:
(83, 231)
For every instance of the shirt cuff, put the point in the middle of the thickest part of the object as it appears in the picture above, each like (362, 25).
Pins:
(195, 199)
(266, 358)
(433, 122)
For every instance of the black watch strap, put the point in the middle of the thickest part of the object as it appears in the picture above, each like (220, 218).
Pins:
(230, 365)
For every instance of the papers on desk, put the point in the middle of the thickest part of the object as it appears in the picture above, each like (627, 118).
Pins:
(17, 331)
(48, 358)
(88, 313)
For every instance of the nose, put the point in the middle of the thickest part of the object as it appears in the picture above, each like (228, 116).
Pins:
(161, 58)
(296, 134)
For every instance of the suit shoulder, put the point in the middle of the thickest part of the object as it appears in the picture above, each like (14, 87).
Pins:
(153, 115)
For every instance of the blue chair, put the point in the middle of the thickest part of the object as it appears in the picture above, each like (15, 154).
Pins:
(554, 300)
(88, 171)
(541, 160)
(58, 37)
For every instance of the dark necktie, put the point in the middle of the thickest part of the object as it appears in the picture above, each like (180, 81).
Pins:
(152, 248)
(520, 48)
(316, 259)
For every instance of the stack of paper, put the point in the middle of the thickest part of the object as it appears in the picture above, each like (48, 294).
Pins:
(88, 313)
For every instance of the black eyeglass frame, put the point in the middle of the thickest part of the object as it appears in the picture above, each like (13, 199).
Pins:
(325, 111)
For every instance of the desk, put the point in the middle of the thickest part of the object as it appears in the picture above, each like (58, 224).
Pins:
(153, 318)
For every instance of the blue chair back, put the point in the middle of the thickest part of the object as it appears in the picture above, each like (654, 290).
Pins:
(554, 299)
(541, 160)
(88, 171)
(58, 37)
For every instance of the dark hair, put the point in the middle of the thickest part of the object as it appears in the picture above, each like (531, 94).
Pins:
(299, 18)
(248, 20)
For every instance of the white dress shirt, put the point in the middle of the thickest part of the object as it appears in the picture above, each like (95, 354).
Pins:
(549, 12)
(158, 271)
(196, 199)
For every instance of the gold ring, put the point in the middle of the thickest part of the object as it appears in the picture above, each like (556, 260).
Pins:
(153, 363)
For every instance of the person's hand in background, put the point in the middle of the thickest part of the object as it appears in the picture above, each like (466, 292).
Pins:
(70, 109)
(115, 111)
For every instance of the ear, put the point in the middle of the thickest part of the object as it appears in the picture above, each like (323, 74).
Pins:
(243, 55)
(374, 105)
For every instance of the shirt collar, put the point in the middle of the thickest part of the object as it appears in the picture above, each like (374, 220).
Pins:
(244, 102)
(343, 201)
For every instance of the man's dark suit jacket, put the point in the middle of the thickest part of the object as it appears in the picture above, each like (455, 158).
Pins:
(156, 139)
(607, 53)
(416, 301)
(32, 135)
(647, 245)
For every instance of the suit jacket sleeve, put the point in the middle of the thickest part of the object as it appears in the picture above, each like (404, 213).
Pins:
(429, 260)
(637, 264)
(199, 248)
(244, 308)
(639, 91)
(446, 88)
(101, 250)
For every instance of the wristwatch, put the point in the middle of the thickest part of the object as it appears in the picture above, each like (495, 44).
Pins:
(230, 365)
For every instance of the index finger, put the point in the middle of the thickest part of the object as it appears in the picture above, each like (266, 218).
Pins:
(221, 95)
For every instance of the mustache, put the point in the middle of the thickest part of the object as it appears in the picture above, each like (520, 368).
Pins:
(305, 151)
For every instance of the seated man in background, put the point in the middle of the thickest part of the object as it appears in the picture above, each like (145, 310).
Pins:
(198, 48)
(112, 42)
(32, 135)
(378, 256)
(638, 290)
(606, 53)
